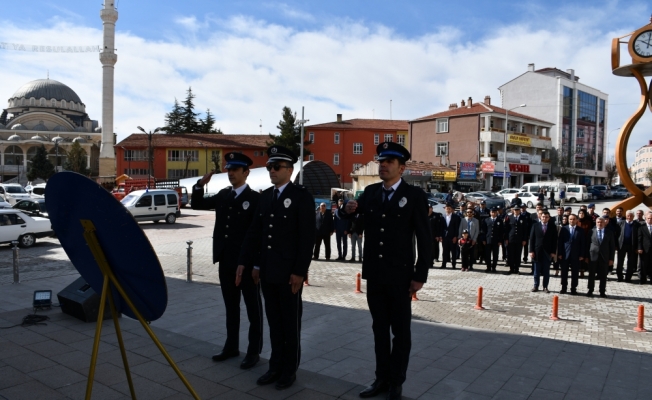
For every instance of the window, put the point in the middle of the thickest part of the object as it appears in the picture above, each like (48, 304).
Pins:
(356, 166)
(442, 125)
(580, 133)
(53, 103)
(159, 200)
(32, 102)
(135, 155)
(376, 138)
(357, 148)
(180, 155)
(63, 104)
(441, 149)
(336, 159)
(337, 138)
(145, 201)
(579, 149)
(181, 173)
(311, 157)
(42, 103)
(400, 139)
(311, 137)
(172, 200)
(135, 171)
(389, 137)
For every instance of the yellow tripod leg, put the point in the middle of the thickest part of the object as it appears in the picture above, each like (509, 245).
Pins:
(98, 254)
(123, 352)
(96, 342)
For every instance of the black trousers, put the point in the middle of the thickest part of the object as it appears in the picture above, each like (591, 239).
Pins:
(600, 268)
(251, 294)
(526, 254)
(574, 267)
(646, 267)
(467, 257)
(632, 257)
(326, 238)
(450, 252)
(435, 250)
(391, 309)
(514, 250)
(284, 310)
(491, 255)
(342, 243)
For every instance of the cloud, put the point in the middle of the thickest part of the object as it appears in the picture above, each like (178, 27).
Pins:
(246, 69)
(291, 13)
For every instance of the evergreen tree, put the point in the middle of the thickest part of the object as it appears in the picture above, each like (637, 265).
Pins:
(207, 125)
(290, 134)
(189, 122)
(76, 160)
(41, 167)
(173, 119)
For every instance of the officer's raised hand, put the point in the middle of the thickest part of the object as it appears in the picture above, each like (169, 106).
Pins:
(206, 178)
(351, 206)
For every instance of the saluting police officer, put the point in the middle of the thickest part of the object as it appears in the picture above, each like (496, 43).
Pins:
(279, 244)
(234, 210)
(516, 236)
(393, 212)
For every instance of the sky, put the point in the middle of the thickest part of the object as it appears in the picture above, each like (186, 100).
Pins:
(246, 60)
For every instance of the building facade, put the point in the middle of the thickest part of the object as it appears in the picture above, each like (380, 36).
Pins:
(185, 156)
(472, 137)
(49, 113)
(346, 145)
(642, 164)
(579, 114)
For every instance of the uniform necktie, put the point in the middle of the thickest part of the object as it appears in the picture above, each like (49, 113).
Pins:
(387, 192)
(275, 196)
(232, 195)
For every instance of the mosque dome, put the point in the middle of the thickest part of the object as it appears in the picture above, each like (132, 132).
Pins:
(57, 139)
(15, 138)
(60, 128)
(18, 127)
(37, 137)
(79, 139)
(48, 89)
(98, 129)
(40, 127)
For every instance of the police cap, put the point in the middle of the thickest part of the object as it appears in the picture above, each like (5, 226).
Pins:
(235, 160)
(387, 150)
(280, 153)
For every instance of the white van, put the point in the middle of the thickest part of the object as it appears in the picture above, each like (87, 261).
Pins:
(556, 186)
(577, 193)
(153, 205)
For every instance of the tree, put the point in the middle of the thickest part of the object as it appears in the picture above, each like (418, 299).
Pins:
(189, 122)
(76, 160)
(173, 120)
(290, 136)
(207, 125)
(562, 164)
(611, 170)
(41, 167)
(648, 174)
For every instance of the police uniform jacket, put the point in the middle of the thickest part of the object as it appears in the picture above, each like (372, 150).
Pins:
(232, 219)
(281, 237)
(493, 231)
(388, 255)
(517, 229)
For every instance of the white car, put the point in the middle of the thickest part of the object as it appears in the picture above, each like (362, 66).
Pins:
(528, 198)
(13, 192)
(15, 225)
(508, 194)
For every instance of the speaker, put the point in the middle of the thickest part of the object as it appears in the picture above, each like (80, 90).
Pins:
(80, 301)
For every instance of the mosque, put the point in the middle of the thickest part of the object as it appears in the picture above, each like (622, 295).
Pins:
(45, 112)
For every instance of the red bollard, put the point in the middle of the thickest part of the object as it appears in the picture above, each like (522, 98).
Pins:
(414, 297)
(358, 283)
(555, 308)
(640, 321)
(478, 305)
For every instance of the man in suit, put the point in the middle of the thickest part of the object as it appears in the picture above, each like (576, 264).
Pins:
(394, 212)
(235, 207)
(516, 235)
(280, 243)
(481, 213)
(356, 233)
(543, 249)
(450, 228)
(570, 253)
(640, 218)
(324, 230)
(493, 233)
(435, 228)
(601, 255)
(342, 228)
(645, 248)
(558, 221)
(516, 201)
(472, 225)
(627, 246)
(528, 221)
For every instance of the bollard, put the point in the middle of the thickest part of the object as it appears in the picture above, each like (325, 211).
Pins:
(305, 281)
(189, 272)
(358, 283)
(640, 321)
(414, 297)
(555, 308)
(15, 251)
(478, 305)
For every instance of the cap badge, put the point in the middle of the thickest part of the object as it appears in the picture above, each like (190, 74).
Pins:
(385, 146)
(245, 205)
(403, 202)
(231, 155)
(287, 202)
(273, 150)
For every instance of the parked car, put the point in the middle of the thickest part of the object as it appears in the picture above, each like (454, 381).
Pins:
(490, 198)
(153, 205)
(621, 194)
(437, 206)
(577, 193)
(508, 194)
(3, 203)
(605, 190)
(36, 191)
(16, 225)
(13, 192)
(595, 193)
(33, 207)
(528, 198)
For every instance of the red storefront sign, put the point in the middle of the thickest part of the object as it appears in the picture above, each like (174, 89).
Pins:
(524, 168)
(488, 167)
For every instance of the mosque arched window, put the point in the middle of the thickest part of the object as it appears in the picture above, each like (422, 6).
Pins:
(53, 103)
(63, 104)
(31, 152)
(14, 155)
(32, 101)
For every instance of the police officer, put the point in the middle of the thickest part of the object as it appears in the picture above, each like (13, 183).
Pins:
(528, 221)
(234, 210)
(481, 213)
(394, 212)
(493, 236)
(516, 236)
(279, 245)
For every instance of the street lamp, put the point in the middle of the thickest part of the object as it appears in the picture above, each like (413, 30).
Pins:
(609, 142)
(124, 151)
(505, 184)
(150, 167)
(301, 122)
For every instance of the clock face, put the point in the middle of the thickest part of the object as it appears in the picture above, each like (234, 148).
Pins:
(642, 45)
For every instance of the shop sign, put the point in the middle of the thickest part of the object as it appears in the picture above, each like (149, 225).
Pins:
(545, 171)
(488, 167)
(411, 172)
(500, 175)
(447, 176)
(519, 140)
(467, 170)
(522, 168)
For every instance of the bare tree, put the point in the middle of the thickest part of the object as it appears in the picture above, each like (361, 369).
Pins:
(562, 164)
(611, 170)
(648, 174)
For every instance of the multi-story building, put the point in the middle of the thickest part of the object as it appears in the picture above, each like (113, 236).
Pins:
(579, 114)
(185, 156)
(346, 145)
(642, 164)
(475, 132)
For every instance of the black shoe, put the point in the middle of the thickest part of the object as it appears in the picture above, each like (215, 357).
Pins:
(589, 293)
(359, 259)
(487, 270)
(394, 392)
(563, 291)
(225, 355)
(603, 295)
(286, 381)
(269, 377)
(534, 289)
(573, 291)
(249, 361)
(493, 270)
(378, 386)
(442, 267)
(545, 290)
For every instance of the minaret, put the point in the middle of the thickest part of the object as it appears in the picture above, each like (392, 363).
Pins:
(108, 58)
